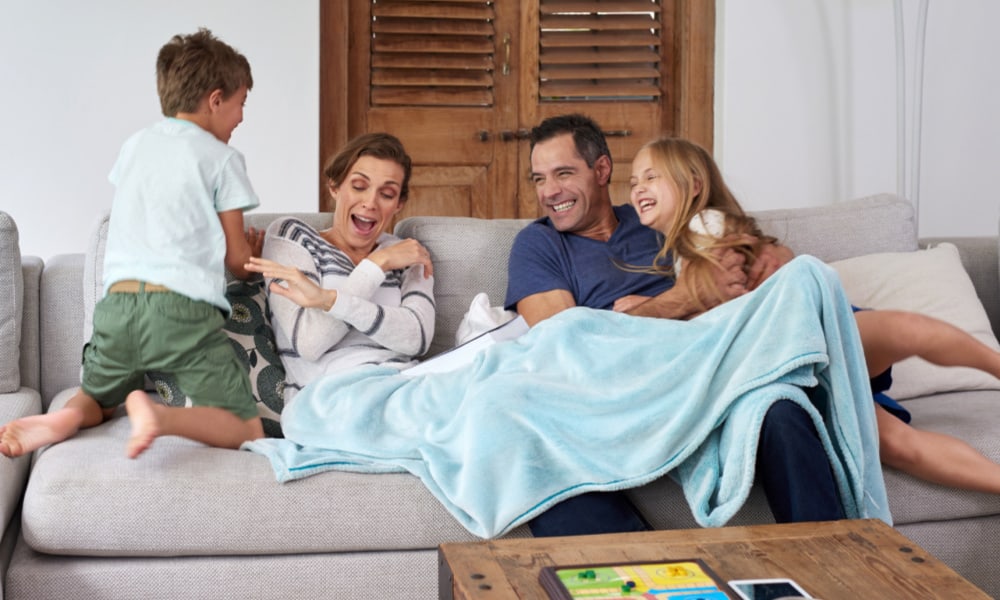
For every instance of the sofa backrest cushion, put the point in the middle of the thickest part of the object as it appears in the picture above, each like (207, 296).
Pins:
(11, 299)
(881, 223)
(470, 255)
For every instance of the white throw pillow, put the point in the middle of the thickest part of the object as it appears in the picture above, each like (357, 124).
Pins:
(932, 282)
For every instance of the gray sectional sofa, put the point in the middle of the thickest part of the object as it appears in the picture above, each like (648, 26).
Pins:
(187, 521)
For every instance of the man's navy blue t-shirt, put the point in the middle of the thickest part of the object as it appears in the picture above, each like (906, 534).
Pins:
(543, 259)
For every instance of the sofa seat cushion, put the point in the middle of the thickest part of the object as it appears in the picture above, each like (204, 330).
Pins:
(972, 416)
(181, 498)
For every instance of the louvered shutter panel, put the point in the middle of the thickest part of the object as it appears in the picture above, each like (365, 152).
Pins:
(599, 50)
(432, 53)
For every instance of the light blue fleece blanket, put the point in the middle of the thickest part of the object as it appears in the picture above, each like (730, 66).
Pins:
(596, 400)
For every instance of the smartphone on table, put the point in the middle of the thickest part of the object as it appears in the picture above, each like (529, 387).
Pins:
(767, 589)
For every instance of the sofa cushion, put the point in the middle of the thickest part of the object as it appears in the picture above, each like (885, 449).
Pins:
(970, 416)
(881, 223)
(11, 298)
(932, 282)
(13, 473)
(469, 257)
(199, 501)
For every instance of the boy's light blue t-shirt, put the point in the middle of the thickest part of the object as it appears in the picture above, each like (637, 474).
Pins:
(172, 179)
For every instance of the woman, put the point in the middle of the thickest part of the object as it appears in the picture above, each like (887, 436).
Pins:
(352, 294)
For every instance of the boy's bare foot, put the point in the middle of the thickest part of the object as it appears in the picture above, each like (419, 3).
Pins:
(25, 435)
(145, 423)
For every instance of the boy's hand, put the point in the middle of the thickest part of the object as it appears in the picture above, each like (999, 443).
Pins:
(255, 238)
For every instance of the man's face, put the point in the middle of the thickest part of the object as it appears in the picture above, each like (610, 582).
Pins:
(569, 192)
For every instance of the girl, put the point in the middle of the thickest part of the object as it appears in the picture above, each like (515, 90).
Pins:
(677, 189)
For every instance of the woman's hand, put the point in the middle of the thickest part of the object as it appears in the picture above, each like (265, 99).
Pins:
(298, 288)
(406, 253)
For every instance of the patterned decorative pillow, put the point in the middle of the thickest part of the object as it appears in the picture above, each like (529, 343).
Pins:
(252, 336)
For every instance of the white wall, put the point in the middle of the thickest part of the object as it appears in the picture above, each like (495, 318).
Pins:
(805, 109)
(806, 106)
(78, 77)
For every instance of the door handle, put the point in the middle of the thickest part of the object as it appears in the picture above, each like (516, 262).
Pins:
(521, 134)
(505, 68)
(618, 133)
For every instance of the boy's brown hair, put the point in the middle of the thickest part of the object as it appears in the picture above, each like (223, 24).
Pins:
(190, 66)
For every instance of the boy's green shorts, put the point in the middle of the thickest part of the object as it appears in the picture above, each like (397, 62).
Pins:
(167, 332)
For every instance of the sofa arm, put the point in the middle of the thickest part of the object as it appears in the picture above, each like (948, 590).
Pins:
(980, 259)
(61, 324)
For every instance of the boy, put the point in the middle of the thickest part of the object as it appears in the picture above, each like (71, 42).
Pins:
(176, 224)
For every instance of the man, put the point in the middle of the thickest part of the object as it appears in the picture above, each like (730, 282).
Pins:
(573, 257)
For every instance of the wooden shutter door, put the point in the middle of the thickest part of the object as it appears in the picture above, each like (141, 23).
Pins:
(461, 83)
(432, 73)
(620, 62)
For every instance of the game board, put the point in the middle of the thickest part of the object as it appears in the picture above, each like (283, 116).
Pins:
(687, 579)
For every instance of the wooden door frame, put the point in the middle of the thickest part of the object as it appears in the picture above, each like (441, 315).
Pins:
(693, 84)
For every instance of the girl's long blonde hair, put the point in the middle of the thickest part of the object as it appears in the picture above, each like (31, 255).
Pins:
(698, 183)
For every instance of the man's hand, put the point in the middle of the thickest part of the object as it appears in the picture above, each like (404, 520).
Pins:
(770, 258)
(630, 302)
(731, 279)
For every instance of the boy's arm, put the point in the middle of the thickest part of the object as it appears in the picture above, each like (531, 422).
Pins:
(240, 245)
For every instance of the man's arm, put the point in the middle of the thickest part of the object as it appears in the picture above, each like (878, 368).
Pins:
(541, 306)
(687, 299)
(733, 280)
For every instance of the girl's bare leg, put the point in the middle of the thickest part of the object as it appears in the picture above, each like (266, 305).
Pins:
(213, 426)
(25, 435)
(889, 336)
(934, 457)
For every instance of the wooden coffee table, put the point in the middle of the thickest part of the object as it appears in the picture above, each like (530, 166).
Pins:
(839, 559)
